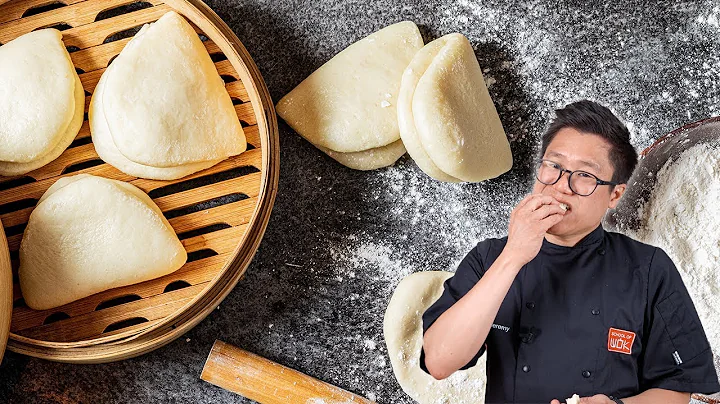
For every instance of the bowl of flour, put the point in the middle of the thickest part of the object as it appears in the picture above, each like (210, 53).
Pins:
(673, 202)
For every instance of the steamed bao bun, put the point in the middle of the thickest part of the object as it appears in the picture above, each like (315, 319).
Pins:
(42, 101)
(88, 234)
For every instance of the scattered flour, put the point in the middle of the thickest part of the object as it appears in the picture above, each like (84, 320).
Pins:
(370, 344)
(656, 67)
(682, 217)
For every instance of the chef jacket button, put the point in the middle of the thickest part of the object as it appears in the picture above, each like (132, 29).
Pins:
(601, 251)
(595, 312)
(586, 373)
(526, 368)
(530, 305)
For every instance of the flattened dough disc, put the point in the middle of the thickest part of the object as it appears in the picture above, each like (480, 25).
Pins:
(402, 328)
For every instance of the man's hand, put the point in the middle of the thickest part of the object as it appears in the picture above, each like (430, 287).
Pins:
(596, 399)
(529, 222)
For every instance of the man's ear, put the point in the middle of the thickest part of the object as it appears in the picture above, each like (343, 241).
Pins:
(616, 194)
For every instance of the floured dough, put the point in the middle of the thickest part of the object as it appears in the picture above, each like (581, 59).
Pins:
(88, 234)
(575, 399)
(402, 328)
(369, 159)
(406, 121)
(41, 101)
(349, 104)
(448, 120)
(161, 110)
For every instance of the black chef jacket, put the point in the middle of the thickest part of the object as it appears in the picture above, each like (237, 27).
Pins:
(608, 316)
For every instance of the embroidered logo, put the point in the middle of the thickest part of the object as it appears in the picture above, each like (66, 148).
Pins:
(676, 357)
(620, 341)
(501, 327)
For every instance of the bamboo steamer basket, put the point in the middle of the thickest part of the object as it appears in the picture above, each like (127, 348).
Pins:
(653, 158)
(6, 287)
(220, 214)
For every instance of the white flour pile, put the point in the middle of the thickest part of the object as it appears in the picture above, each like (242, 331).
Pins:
(683, 217)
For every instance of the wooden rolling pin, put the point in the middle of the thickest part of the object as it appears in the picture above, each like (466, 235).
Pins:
(267, 382)
(6, 290)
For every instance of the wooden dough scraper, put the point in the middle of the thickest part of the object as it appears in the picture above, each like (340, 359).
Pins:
(267, 382)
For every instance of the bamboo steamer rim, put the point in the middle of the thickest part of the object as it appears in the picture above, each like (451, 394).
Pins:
(5, 293)
(161, 333)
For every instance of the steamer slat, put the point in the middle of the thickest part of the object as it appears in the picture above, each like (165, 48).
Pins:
(220, 213)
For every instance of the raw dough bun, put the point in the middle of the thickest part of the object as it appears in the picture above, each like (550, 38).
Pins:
(348, 105)
(369, 159)
(406, 122)
(164, 103)
(39, 104)
(451, 116)
(106, 149)
(404, 337)
(575, 399)
(88, 234)
(66, 139)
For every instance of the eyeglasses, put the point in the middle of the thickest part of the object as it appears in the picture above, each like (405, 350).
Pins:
(580, 182)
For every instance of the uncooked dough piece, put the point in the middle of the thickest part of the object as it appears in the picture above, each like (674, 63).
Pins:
(369, 159)
(162, 105)
(447, 118)
(406, 122)
(88, 234)
(41, 101)
(402, 328)
(348, 105)
(575, 399)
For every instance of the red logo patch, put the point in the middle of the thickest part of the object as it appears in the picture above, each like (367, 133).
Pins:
(620, 341)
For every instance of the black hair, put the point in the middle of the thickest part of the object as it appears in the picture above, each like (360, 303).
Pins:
(591, 117)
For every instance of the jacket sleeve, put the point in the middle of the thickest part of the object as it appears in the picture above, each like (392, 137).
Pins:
(468, 273)
(677, 355)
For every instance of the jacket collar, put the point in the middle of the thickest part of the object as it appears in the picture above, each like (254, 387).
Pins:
(590, 239)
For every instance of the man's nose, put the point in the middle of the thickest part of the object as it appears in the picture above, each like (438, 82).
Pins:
(562, 185)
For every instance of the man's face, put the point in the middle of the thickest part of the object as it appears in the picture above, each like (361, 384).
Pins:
(574, 150)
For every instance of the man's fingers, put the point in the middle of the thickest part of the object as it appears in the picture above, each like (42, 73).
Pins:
(539, 201)
(554, 402)
(596, 399)
(525, 200)
(551, 221)
(547, 210)
(528, 198)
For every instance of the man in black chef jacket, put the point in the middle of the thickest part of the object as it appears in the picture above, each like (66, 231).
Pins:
(560, 305)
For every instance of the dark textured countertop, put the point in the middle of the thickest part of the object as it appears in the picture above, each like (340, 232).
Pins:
(339, 240)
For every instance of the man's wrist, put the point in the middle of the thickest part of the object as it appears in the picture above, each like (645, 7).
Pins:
(510, 263)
